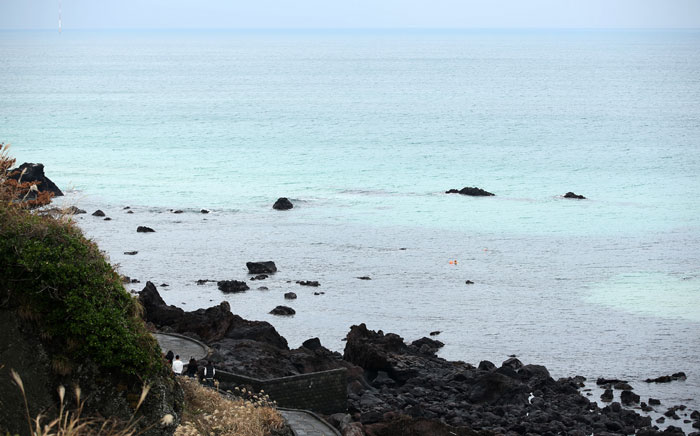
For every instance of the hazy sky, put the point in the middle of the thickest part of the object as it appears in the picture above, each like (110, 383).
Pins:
(232, 14)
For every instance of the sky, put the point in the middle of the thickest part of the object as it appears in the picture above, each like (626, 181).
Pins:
(349, 14)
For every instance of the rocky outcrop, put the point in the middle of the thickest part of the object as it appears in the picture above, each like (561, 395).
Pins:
(267, 267)
(210, 325)
(473, 192)
(282, 203)
(34, 172)
(514, 398)
(572, 195)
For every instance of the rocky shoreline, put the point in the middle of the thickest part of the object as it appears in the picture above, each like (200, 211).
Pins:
(392, 384)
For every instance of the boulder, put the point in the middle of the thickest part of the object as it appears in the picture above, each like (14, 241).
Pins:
(98, 212)
(486, 365)
(35, 173)
(282, 203)
(628, 397)
(290, 296)
(432, 343)
(144, 229)
(312, 344)
(267, 267)
(283, 310)
(131, 253)
(572, 195)
(229, 286)
(513, 363)
(495, 388)
(258, 331)
(473, 192)
(312, 283)
(607, 396)
(74, 210)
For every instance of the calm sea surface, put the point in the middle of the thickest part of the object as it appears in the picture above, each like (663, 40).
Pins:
(364, 131)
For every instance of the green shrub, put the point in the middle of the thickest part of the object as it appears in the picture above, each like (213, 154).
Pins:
(60, 281)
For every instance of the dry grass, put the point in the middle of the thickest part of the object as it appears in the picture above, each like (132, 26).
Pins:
(16, 193)
(73, 423)
(208, 413)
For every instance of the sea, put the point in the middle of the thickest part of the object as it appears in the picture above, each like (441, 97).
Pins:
(364, 131)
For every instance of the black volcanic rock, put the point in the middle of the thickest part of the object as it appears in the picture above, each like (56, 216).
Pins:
(228, 286)
(312, 283)
(282, 203)
(98, 212)
(144, 229)
(34, 172)
(290, 296)
(572, 195)
(667, 378)
(283, 310)
(267, 267)
(212, 324)
(473, 192)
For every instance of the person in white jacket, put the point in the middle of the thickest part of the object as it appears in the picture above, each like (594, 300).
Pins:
(177, 365)
(209, 373)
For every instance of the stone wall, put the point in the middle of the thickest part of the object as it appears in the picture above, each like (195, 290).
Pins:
(324, 392)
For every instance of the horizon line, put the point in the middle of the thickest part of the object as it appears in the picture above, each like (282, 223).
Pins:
(341, 29)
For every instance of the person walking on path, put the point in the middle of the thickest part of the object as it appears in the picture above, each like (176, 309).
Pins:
(209, 373)
(192, 368)
(177, 365)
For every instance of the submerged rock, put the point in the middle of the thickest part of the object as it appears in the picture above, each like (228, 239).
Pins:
(312, 283)
(667, 378)
(473, 192)
(228, 286)
(572, 195)
(282, 203)
(282, 310)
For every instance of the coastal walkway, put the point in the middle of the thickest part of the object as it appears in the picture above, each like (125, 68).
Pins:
(305, 423)
(182, 345)
(302, 422)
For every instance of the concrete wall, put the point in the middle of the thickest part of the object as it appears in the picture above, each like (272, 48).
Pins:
(324, 392)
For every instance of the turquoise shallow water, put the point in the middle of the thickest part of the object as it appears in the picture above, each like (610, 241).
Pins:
(365, 131)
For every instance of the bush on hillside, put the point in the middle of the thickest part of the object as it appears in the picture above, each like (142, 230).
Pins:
(59, 281)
